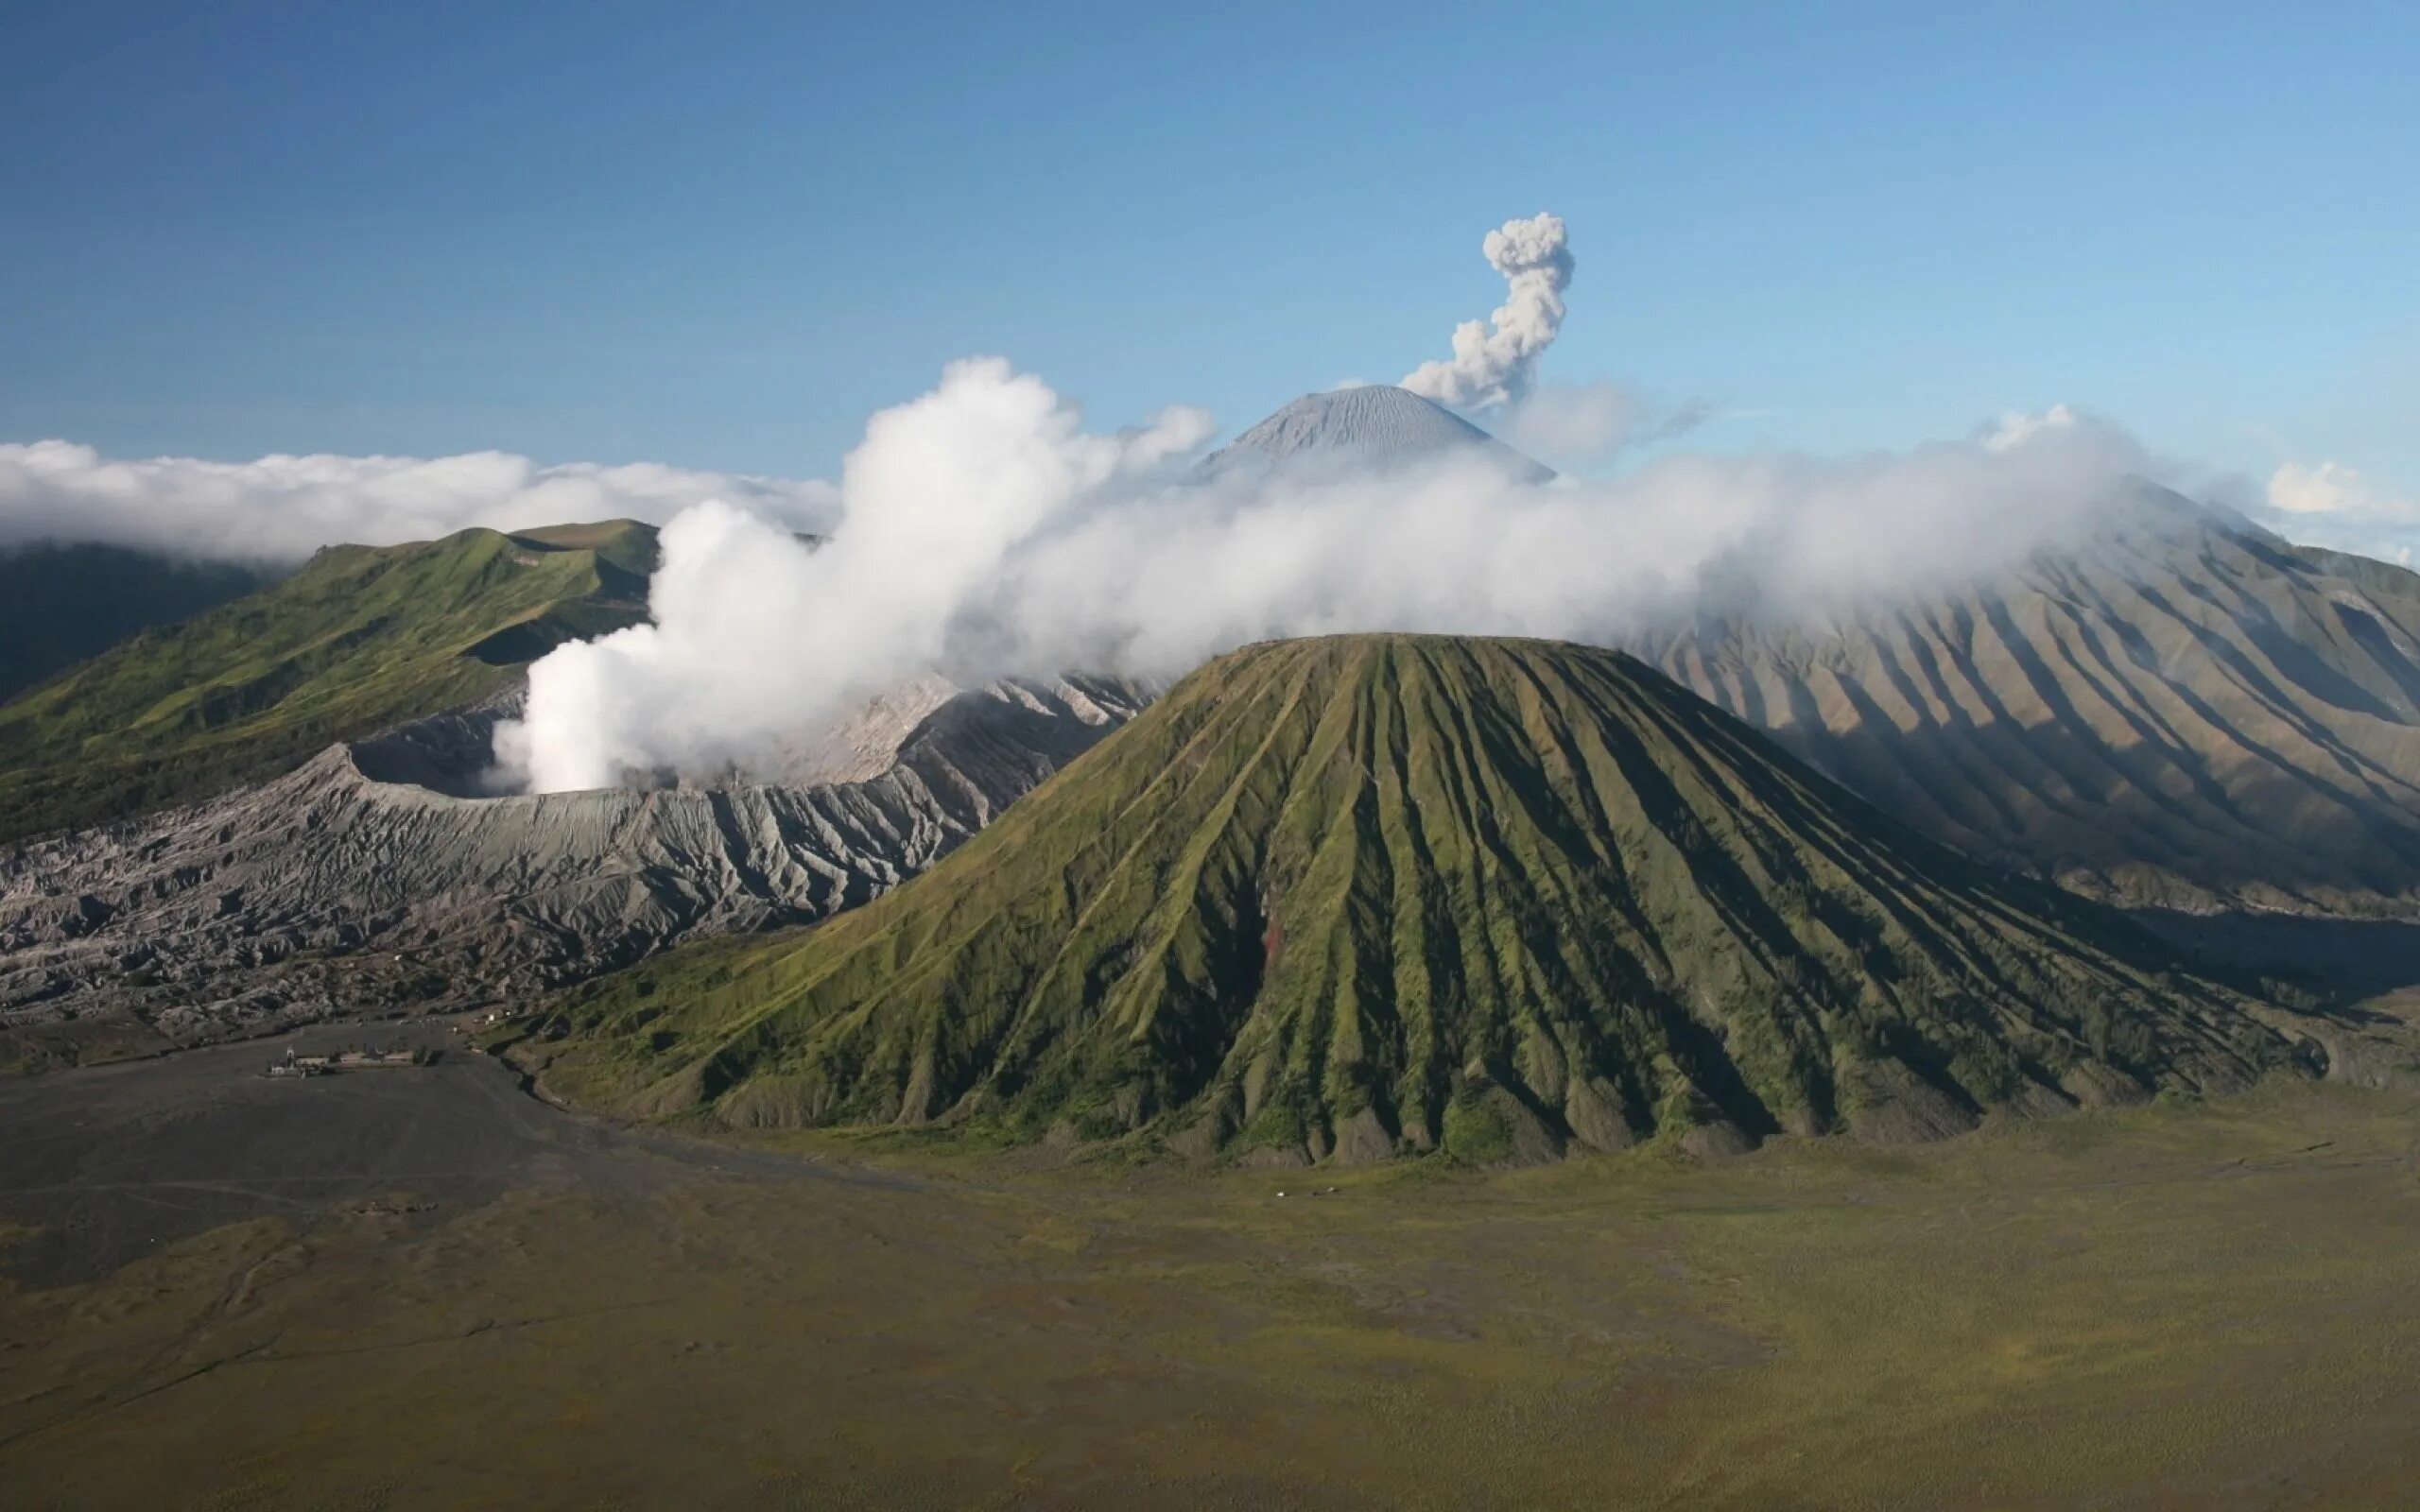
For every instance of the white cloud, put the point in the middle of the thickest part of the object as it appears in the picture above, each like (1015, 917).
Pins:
(285, 507)
(2016, 428)
(754, 635)
(983, 532)
(2331, 487)
(2328, 504)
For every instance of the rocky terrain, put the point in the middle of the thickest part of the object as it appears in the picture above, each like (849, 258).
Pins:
(1355, 896)
(375, 878)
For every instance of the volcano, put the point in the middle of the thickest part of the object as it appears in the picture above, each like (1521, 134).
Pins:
(1372, 430)
(1355, 896)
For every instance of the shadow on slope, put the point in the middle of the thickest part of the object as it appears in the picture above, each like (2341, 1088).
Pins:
(2183, 712)
(2340, 959)
(1356, 897)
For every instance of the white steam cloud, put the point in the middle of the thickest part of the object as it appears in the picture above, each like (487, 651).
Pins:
(1495, 364)
(754, 634)
(281, 508)
(983, 532)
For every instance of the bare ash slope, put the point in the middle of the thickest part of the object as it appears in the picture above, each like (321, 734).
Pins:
(354, 884)
(2186, 711)
(1374, 428)
(1352, 897)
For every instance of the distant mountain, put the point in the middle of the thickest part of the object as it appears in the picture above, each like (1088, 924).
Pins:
(361, 638)
(60, 603)
(1375, 429)
(1346, 897)
(2181, 710)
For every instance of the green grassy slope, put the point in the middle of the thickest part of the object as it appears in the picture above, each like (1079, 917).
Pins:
(360, 638)
(1365, 895)
(60, 603)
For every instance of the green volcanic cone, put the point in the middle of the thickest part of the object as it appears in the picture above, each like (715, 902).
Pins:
(1355, 896)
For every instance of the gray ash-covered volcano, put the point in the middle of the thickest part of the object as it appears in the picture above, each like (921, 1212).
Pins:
(1375, 429)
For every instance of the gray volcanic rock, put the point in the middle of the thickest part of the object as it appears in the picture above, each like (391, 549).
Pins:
(1372, 429)
(373, 880)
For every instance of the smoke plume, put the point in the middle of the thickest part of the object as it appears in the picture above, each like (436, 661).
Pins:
(982, 532)
(755, 635)
(1494, 364)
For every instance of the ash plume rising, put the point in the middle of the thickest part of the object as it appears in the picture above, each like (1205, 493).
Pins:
(1495, 362)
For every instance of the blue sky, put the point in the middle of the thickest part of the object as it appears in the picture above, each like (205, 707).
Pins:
(717, 235)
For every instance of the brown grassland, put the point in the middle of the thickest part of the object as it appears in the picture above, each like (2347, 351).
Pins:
(2180, 1306)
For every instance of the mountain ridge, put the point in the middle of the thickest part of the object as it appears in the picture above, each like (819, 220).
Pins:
(2180, 709)
(1361, 896)
(61, 602)
(360, 639)
(378, 876)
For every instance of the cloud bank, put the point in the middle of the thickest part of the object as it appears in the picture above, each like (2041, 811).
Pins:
(983, 532)
(1495, 364)
(755, 635)
(2327, 504)
(285, 507)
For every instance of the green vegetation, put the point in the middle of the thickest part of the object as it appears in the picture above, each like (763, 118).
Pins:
(359, 639)
(1364, 896)
(2206, 1306)
(61, 603)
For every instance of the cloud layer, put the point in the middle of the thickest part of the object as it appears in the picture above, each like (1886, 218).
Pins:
(1495, 364)
(757, 635)
(285, 507)
(2327, 504)
(983, 532)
